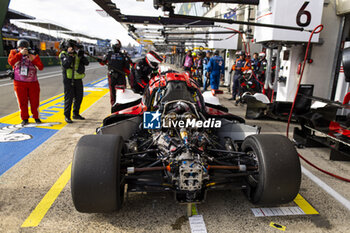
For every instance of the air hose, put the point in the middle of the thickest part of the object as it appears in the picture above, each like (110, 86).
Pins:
(243, 40)
(317, 30)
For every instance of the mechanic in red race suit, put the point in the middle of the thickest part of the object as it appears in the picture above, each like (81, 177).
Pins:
(26, 85)
(118, 68)
(142, 69)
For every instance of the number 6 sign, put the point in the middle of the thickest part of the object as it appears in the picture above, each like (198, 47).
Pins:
(302, 12)
(296, 13)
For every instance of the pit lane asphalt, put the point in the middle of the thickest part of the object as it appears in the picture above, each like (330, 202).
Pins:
(25, 184)
(51, 84)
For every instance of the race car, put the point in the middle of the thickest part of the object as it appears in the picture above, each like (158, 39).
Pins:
(176, 139)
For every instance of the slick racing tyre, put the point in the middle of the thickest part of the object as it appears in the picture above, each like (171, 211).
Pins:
(279, 172)
(96, 174)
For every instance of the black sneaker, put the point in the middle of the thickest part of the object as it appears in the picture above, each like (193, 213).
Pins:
(78, 117)
(24, 122)
(38, 121)
(68, 120)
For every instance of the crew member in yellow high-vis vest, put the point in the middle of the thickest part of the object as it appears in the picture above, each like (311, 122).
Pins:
(73, 64)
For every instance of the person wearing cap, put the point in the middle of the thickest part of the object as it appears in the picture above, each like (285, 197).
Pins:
(25, 65)
(216, 67)
(73, 64)
(195, 61)
(118, 68)
(241, 64)
(142, 69)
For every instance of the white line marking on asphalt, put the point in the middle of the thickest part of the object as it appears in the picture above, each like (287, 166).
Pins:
(49, 76)
(102, 84)
(277, 211)
(197, 224)
(342, 200)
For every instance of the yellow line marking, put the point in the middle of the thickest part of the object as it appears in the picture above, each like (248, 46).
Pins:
(194, 210)
(48, 100)
(51, 110)
(45, 204)
(98, 80)
(304, 205)
(277, 226)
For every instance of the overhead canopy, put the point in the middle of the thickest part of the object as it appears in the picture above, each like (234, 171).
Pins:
(251, 2)
(12, 14)
(143, 35)
(46, 25)
(96, 38)
(162, 21)
(159, 3)
(77, 34)
(113, 11)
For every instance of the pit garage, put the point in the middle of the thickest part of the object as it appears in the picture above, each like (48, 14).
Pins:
(178, 158)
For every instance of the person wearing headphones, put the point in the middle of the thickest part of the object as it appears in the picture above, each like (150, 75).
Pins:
(142, 69)
(25, 64)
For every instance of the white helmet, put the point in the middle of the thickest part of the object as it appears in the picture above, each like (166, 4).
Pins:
(153, 59)
(262, 55)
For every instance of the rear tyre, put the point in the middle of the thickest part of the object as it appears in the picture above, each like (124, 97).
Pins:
(96, 182)
(279, 172)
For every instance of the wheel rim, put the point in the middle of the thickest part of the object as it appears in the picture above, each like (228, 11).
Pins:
(253, 180)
